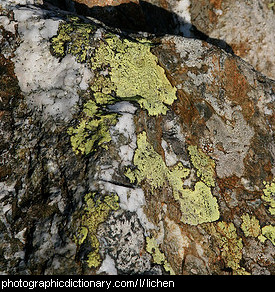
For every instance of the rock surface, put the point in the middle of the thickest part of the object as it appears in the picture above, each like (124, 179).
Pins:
(246, 26)
(130, 153)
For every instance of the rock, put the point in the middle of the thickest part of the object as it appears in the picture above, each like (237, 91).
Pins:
(243, 27)
(154, 16)
(91, 3)
(127, 152)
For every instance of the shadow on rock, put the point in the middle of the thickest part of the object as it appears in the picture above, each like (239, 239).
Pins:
(146, 17)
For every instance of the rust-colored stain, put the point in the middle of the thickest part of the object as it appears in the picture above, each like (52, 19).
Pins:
(229, 78)
(237, 87)
(217, 4)
(184, 107)
(231, 182)
(212, 16)
(240, 49)
(158, 136)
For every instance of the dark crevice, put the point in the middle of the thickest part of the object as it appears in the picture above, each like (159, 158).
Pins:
(145, 17)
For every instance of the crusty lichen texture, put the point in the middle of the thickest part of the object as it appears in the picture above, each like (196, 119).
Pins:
(230, 245)
(269, 195)
(135, 73)
(93, 129)
(204, 164)
(251, 227)
(158, 256)
(268, 232)
(96, 211)
(123, 70)
(197, 206)
(73, 38)
(150, 166)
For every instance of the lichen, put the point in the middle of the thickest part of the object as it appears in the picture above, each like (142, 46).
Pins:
(73, 37)
(123, 70)
(229, 244)
(204, 165)
(158, 256)
(126, 68)
(152, 168)
(268, 232)
(96, 211)
(269, 195)
(197, 206)
(134, 73)
(250, 226)
(93, 130)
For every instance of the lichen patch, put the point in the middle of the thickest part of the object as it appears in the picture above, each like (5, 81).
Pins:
(197, 206)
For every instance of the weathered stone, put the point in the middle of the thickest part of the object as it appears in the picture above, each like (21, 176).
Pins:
(245, 25)
(130, 153)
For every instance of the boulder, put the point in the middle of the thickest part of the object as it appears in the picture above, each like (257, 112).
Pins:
(244, 27)
(127, 152)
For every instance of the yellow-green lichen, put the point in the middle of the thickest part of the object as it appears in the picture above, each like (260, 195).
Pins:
(123, 70)
(73, 37)
(134, 73)
(250, 226)
(197, 206)
(96, 211)
(229, 244)
(268, 232)
(93, 130)
(150, 166)
(204, 165)
(269, 195)
(126, 67)
(158, 257)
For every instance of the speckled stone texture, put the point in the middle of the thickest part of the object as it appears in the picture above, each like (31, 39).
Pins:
(247, 26)
(183, 186)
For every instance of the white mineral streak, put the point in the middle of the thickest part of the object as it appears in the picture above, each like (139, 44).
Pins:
(132, 200)
(124, 136)
(51, 86)
(7, 24)
(108, 266)
(170, 157)
(126, 127)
